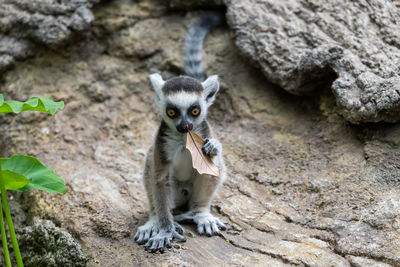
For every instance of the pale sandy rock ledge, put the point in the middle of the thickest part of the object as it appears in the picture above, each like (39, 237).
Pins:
(305, 188)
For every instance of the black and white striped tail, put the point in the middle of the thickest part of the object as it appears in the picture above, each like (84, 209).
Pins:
(193, 47)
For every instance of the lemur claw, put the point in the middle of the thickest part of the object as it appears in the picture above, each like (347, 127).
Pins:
(211, 147)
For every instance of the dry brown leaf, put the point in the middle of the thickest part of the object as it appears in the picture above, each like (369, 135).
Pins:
(202, 163)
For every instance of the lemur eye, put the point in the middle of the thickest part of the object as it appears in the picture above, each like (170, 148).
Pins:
(171, 113)
(195, 112)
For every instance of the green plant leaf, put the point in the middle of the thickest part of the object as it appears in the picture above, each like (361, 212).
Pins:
(41, 177)
(46, 105)
(14, 181)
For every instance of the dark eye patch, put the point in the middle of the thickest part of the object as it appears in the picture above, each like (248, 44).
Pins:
(193, 107)
(174, 108)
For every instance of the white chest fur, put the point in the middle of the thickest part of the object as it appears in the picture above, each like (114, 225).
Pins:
(181, 161)
(181, 167)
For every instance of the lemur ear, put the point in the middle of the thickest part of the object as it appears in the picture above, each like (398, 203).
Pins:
(158, 83)
(211, 87)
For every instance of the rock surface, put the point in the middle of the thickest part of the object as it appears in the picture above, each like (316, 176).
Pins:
(298, 44)
(44, 244)
(25, 24)
(305, 188)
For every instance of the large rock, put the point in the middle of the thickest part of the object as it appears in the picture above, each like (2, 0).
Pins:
(304, 187)
(26, 23)
(299, 44)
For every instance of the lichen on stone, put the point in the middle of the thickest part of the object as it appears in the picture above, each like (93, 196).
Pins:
(46, 245)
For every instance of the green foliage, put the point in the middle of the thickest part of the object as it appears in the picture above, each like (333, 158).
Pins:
(14, 181)
(38, 176)
(46, 105)
(23, 173)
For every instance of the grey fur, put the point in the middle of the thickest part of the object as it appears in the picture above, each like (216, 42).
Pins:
(171, 182)
(193, 47)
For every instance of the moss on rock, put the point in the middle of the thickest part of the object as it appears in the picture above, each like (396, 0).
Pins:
(45, 244)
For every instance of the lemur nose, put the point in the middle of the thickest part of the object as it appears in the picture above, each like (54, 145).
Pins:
(184, 127)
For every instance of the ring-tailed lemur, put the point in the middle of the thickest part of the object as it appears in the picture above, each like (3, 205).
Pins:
(169, 177)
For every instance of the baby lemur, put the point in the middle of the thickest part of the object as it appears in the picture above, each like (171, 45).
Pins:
(169, 177)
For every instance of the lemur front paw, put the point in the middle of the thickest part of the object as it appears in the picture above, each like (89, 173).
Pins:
(211, 147)
(156, 237)
(206, 223)
(146, 231)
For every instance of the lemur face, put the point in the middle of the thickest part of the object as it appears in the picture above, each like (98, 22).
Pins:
(183, 101)
(184, 109)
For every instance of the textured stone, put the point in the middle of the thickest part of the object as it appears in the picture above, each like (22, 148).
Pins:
(361, 262)
(25, 24)
(299, 44)
(44, 244)
(304, 187)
